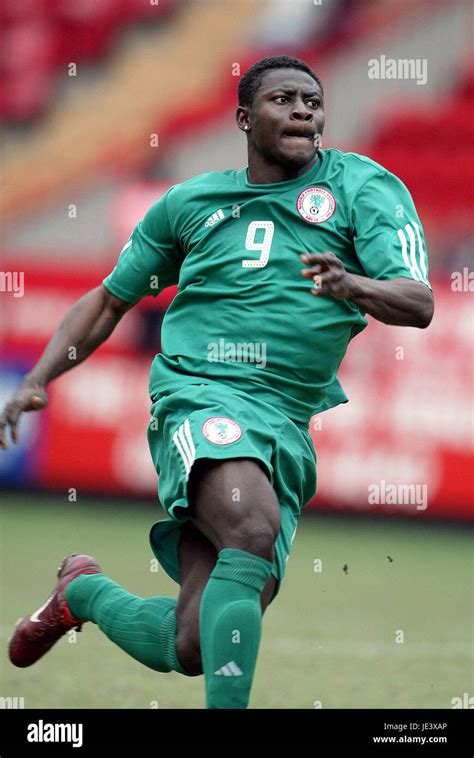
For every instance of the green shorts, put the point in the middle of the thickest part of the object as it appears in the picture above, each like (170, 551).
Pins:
(216, 421)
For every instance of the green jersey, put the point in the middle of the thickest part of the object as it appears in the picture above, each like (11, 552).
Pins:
(243, 314)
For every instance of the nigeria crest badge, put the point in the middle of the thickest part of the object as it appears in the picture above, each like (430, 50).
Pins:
(315, 205)
(221, 430)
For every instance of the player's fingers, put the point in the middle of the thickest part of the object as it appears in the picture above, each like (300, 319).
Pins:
(4, 422)
(13, 417)
(308, 273)
(3, 441)
(326, 257)
(329, 276)
(322, 289)
(35, 403)
(325, 283)
(13, 431)
(330, 260)
(319, 268)
(323, 264)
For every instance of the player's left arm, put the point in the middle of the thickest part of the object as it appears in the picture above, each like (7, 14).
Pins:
(389, 243)
(400, 301)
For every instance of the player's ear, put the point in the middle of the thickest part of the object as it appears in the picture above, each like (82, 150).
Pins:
(242, 118)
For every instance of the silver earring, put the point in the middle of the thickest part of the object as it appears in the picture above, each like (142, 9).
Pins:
(245, 127)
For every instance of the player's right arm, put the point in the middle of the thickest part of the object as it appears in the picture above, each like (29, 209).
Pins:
(85, 326)
(149, 262)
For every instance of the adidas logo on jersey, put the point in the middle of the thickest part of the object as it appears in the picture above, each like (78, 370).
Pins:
(214, 218)
(229, 669)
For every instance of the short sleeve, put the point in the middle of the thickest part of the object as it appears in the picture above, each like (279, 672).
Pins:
(388, 236)
(150, 260)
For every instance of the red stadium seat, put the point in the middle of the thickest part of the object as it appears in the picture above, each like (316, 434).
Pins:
(26, 45)
(441, 141)
(25, 96)
(40, 36)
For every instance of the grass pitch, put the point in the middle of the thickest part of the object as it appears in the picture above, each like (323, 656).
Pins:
(385, 623)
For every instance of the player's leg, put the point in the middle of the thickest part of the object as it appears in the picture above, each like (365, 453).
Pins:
(233, 504)
(145, 628)
(197, 559)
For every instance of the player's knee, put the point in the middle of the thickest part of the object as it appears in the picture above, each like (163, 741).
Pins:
(255, 533)
(255, 529)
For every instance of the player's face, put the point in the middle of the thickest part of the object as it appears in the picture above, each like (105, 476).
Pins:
(286, 115)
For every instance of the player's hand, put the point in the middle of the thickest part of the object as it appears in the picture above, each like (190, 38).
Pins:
(26, 398)
(328, 274)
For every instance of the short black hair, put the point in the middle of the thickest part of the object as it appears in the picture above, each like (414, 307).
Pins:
(252, 79)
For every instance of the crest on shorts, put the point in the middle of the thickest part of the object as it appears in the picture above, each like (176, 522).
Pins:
(221, 430)
(315, 205)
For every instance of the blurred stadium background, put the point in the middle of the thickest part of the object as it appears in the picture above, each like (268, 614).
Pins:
(103, 106)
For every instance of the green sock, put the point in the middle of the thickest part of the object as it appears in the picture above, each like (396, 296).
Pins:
(143, 628)
(230, 627)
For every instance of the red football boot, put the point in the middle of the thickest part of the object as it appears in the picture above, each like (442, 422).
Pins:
(36, 634)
